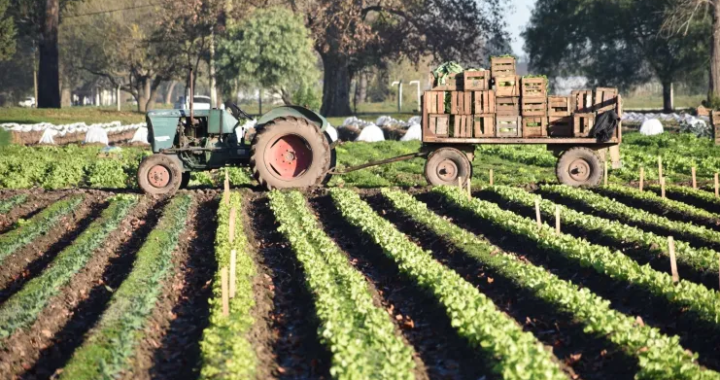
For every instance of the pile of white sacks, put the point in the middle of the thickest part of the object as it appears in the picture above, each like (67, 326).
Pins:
(95, 133)
(651, 123)
(372, 131)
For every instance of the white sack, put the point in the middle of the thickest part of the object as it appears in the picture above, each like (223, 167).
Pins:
(652, 127)
(371, 133)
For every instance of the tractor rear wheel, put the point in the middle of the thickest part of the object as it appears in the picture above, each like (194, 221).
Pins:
(290, 153)
(579, 167)
(445, 165)
(159, 175)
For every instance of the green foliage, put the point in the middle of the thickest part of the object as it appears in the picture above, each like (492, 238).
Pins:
(519, 355)
(271, 49)
(7, 205)
(39, 224)
(111, 343)
(308, 97)
(22, 309)
(226, 351)
(360, 335)
(660, 356)
(7, 32)
(5, 138)
(615, 264)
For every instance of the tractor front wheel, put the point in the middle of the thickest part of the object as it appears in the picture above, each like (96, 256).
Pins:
(445, 165)
(579, 167)
(290, 153)
(159, 175)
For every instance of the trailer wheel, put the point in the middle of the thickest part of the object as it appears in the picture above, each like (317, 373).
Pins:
(159, 175)
(290, 153)
(445, 165)
(579, 167)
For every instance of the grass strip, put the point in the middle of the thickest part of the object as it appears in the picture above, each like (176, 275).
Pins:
(632, 216)
(359, 334)
(660, 356)
(704, 302)
(10, 203)
(652, 203)
(27, 231)
(519, 354)
(22, 308)
(226, 350)
(107, 350)
(701, 259)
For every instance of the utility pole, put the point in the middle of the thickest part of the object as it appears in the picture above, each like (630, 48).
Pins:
(417, 82)
(400, 94)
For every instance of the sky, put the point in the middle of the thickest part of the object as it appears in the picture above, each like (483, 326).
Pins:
(516, 24)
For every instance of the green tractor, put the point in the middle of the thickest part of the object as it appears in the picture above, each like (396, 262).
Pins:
(288, 148)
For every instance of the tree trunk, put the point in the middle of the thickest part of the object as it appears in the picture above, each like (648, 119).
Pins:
(361, 88)
(213, 84)
(668, 96)
(49, 76)
(169, 95)
(714, 91)
(336, 86)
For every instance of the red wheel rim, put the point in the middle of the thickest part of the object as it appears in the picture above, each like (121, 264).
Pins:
(289, 157)
(159, 176)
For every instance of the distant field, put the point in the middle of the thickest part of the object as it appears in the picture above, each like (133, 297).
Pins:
(656, 102)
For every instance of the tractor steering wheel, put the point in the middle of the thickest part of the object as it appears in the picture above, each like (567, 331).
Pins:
(236, 111)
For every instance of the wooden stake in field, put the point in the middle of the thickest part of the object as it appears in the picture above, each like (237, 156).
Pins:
(660, 173)
(460, 183)
(662, 187)
(226, 191)
(557, 219)
(469, 188)
(231, 225)
(233, 272)
(537, 212)
(717, 186)
(606, 173)
(492, 178)
(673, 262)
(224, 287)
(694, 179)
(642, 178)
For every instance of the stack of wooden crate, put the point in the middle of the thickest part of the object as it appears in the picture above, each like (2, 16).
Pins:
(497, 103)
(715, 121)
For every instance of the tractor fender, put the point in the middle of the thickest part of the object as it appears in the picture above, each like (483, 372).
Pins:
(176, 160)
(294, 111)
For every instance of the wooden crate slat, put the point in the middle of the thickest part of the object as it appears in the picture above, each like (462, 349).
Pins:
(533, 107)
(453, 82)
(534, 87)
(605, 99)
(483, 126)
(507, 106)
(582, 101)
(503, 66)
(462, 126)
(560, 126)
(461, 103)
(534, 127)
(583, 124)
(509, 126)
(438, 126)
(559, 106)
(484, 102)
(434, 102)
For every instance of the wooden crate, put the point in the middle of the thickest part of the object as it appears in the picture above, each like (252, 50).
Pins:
(484, 102)
(715, 122)
(461, 103)
(559, 106)
(606, 99)
(534, 87)
(533, 106)
(483, 126)
(507, 106)
(438, 125)
(476, 80)
(462, 126)
(582, 101)
(583, 124)
(534, 126)
(508, 126)
(434, 102)
(453, 82)
(560, 126)
(503, 66)
(507, 86)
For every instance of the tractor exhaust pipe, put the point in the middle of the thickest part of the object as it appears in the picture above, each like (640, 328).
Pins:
(192, 97)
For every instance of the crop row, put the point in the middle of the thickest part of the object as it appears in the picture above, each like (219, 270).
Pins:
(702, 259)
(632, 216)
(27, 231)
(226, 351)
(22, 309)
(10, 203)
(360, 335)
(111, 343)
(517, 353)
(698, 198)
(705, 302)
(660, 356)
(651, 202)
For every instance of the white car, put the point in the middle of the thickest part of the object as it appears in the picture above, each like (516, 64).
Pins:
(29, 102)
(200, 103)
